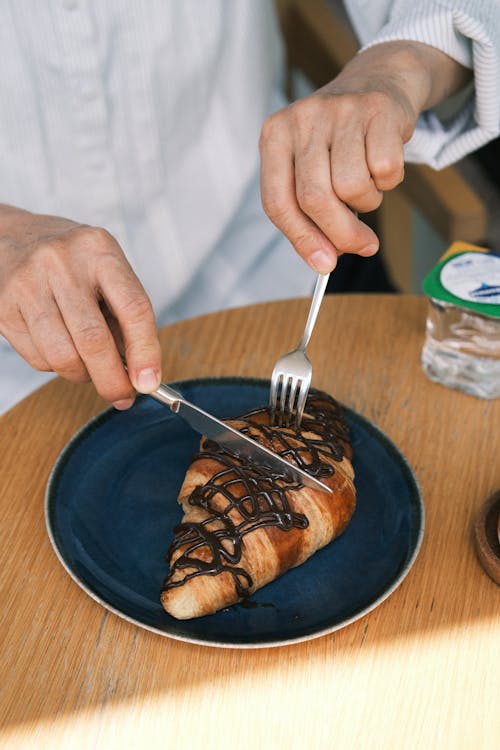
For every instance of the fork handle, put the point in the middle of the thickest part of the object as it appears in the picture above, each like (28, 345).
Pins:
(319, 291)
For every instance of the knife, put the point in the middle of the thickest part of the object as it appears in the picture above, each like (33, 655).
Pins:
(236, 441)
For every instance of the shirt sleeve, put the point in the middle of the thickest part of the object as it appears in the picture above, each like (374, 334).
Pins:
(469, 32)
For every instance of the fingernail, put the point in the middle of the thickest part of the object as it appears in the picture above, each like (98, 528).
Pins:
(322, 262)
(368, 250)
(147, 380)
(124, 403)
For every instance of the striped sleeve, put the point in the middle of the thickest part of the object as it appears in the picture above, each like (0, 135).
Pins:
(469, 32)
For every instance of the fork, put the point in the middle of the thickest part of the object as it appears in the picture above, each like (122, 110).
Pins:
(292, 372)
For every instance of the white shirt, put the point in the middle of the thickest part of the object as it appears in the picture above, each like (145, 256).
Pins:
(466, 30)
(144, 117)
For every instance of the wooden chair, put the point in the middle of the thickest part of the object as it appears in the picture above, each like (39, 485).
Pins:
(319, 44)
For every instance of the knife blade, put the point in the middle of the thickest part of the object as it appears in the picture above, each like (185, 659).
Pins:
(240, 444)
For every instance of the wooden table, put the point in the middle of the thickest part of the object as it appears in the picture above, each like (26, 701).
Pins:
(420, 671)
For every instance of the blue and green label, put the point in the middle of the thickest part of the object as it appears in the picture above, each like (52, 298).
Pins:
(467, 276)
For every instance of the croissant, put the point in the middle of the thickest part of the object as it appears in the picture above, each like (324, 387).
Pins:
(242, 526)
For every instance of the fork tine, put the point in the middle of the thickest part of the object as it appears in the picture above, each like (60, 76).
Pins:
(286, 384)
(273, 395)
(293, 371)
(296, 383)
(301, 402)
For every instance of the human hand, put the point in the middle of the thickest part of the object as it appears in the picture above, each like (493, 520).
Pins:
(334, 153)
(71, 303)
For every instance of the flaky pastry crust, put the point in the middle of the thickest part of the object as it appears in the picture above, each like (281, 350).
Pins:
(242, 526)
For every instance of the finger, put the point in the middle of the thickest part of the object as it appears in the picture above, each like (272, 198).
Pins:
(113, 326)
(351, 179)
(128, 302)
(94, 343)
(384, 153)
(280, 203)
(319, 201)
(52, 340)
(17, 334)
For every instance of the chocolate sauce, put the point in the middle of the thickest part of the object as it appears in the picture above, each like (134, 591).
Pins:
(256, 497)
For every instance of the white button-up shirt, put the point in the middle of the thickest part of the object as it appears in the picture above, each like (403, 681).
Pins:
(144, 117)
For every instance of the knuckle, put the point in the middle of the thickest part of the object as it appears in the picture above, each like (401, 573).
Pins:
(39, 363)
(275, 207)
(272, 127)
(112, 391)
(79, 375)
(90, 235)
(348, 188)
(351, 243)
(92, 339)
(307, 111)
(274, 122)
(344, 106)
(99, 234)
(54, 249)
(136, 307)
(34, 264)
(297, 118)
(303, 243)
(46, 249)
(96, 242)
(64, 359)
(337, 108)
(50, 256)
(362, 196)
(385, 165)
(311, 197)
(387, 171)
(377, 101)
(267, 130)
(370, 202)
(40, 319)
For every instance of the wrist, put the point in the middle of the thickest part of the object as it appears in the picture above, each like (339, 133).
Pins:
(425, 74)
(416, 75)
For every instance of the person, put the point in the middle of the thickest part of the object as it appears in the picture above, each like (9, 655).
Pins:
(142, 127)
(342, 147)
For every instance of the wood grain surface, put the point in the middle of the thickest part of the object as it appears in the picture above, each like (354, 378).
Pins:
(420, 671)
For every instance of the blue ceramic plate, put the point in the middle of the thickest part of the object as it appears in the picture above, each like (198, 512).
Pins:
(111, 508)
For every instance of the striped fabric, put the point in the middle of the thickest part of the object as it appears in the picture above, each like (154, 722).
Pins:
(466, 30)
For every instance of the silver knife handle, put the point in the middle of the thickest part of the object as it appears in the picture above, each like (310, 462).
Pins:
(168, 396)
(164, 393)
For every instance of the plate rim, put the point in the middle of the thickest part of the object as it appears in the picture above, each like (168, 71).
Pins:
(231, 380)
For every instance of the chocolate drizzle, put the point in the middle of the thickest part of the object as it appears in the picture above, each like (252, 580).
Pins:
(244, 496)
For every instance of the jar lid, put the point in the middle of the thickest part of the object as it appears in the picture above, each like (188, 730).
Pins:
(487, 536)
(467, 276)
